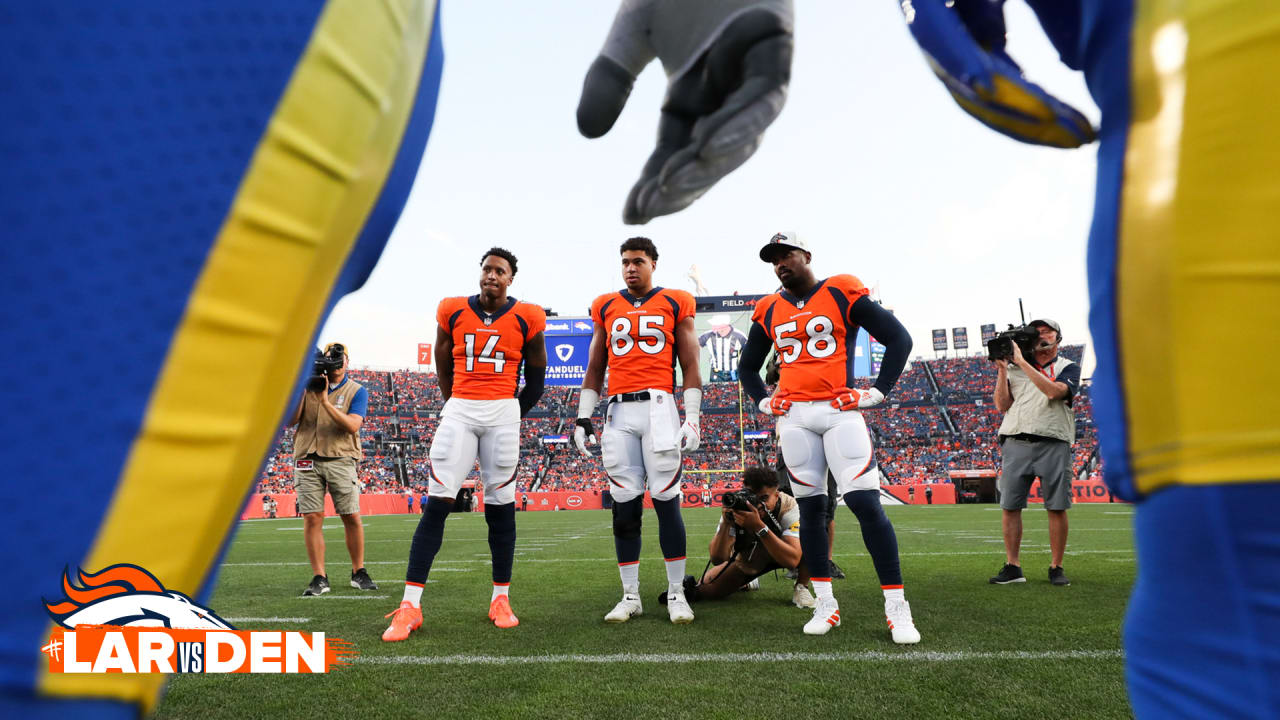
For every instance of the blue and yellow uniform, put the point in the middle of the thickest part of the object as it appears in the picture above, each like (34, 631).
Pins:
(186, 192)
(1184, 279)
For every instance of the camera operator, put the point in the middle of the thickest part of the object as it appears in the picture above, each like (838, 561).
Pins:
(326, 450)
(1036, 435)
(759, 532)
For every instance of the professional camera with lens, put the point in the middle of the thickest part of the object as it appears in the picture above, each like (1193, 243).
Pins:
(739, 500)
(325, 362)
(1000, 347)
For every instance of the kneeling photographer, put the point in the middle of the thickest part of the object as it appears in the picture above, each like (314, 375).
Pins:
(759, 531)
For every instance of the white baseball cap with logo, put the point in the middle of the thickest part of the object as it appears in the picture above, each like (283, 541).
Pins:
(782, 243)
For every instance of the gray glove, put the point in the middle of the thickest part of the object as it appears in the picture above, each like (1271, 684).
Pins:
(728, 63)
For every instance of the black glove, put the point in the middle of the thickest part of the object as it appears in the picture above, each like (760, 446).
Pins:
(725, 86)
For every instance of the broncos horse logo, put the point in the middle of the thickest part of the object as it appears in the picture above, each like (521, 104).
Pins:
(127, 595)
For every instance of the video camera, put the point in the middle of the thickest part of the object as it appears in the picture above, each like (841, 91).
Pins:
(746, 501)
(1000, 347)
(326, 361)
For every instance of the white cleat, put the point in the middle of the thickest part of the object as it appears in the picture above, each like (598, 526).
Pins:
(802, 598)
(678, 608)
(898, 614)
(628, 607)
(826, 615)
(752, 586)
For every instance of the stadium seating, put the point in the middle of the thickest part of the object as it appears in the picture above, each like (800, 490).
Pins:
(939, 418)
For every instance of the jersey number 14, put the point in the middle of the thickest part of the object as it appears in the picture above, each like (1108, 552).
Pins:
(487, 353)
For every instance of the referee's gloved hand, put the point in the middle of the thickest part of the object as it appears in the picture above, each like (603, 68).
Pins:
(775, 405)
(584, 433)
(857, 399)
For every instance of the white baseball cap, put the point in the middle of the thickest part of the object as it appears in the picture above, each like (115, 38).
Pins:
(1050, 323)
(784, 242)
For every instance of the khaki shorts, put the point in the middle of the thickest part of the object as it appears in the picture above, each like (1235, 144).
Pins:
(313, 476)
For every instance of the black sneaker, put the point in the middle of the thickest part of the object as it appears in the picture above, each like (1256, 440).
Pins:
(1057, 577)
(836, 572)
(1008, 574)
(360, 580)
(319, 586)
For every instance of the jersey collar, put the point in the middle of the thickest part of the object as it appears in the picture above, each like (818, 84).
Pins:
(635, 301)
(799, 302)
(485, 317)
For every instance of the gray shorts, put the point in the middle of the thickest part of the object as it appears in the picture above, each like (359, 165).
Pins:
(1022, 461)
(313, 476)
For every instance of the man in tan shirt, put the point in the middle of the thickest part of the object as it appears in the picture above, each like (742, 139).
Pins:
(326, 450)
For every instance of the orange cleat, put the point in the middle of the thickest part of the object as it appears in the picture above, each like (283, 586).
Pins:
(404, 620)
(500, 613)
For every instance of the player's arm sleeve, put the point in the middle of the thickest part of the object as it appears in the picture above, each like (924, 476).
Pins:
(535, 372)
(360, 403)
(886, 329)
(1070, 376)
(752, 359)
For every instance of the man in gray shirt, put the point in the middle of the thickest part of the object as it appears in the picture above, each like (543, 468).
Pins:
(1036, 435)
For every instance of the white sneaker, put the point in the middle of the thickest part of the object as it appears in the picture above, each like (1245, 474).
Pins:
(752, 586)
(802, 598)
(678, 608)
(826, 615)
(898, 614)
(628, 607)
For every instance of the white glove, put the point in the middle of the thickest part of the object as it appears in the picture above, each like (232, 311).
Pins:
(584, 432)
(775, 405)
(690, 432)
(857, 399)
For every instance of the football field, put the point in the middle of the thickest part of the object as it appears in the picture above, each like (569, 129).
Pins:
(988, 651)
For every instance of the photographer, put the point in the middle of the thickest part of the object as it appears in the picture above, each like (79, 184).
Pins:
(1036, 435)
(759, 531)
(326, 449)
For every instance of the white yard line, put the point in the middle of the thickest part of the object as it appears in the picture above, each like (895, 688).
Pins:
(267, 620)
(874, 656)
(485, 559)
(343, 597)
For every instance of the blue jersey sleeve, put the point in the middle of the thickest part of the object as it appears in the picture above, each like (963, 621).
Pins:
(360, 403)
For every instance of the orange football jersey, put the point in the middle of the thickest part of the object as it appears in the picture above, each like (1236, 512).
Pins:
(488, 349)
(813, 337)
(641, 333)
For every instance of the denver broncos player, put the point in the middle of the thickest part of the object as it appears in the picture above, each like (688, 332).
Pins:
(1183, 236)
(811, 323)
(197, 221)
(639, 334)
(481, 342)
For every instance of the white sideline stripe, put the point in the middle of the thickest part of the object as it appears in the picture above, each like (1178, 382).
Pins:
(343, 597)
(434, 567)
(763, 657)
(266, 620)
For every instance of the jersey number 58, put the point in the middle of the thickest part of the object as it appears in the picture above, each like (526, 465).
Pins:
(820, 343)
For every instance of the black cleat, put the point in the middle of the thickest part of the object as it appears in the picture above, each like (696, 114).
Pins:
(360, 580)
(1008, 574)
(1057, 577)
(319, 586)
(836, 572)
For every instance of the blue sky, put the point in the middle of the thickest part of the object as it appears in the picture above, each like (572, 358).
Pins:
(870, 162)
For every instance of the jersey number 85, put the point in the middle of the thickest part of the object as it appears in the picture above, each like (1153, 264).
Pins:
(651, 341)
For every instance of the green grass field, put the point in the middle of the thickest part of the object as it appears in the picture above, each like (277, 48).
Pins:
(1018, 651)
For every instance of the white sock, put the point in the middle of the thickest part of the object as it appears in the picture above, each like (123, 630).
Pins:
(675, 575)
(630, 573)
(500, 589)
(412, 594)
(822, 588)
(894, 593)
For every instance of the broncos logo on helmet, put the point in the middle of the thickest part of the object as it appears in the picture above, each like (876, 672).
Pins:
(128, 595)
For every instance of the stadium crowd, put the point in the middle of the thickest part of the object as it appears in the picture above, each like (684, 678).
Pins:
(939, 418)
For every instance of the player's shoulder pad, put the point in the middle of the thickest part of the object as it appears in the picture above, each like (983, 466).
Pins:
(448, 307)
(849, 285)
(687, 306)
(597, 305)
(762, 307)
(534, 315)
